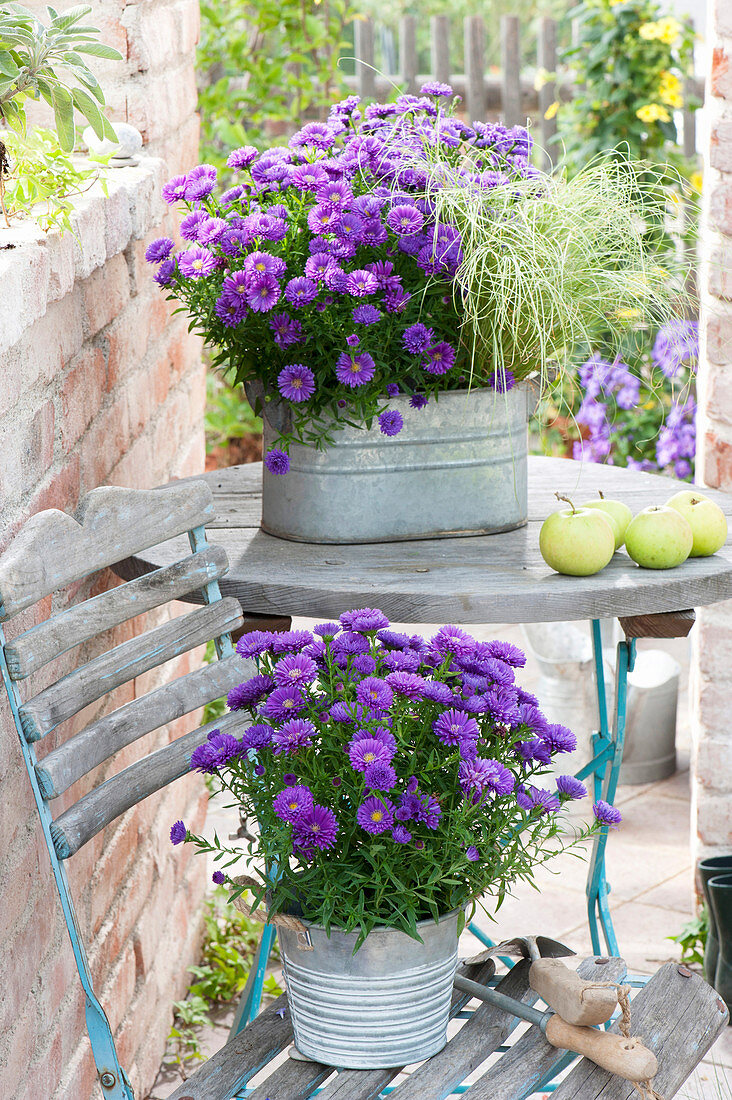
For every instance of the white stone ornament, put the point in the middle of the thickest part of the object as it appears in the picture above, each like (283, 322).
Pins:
(123, 151)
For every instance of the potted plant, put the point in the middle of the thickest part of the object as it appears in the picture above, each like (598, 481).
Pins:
(386, 258)
(395, 781)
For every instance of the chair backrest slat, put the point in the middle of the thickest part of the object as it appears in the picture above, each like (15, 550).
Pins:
(124, 662)
(102, 738)
(82, 821)
(70, 628)
(55, 549)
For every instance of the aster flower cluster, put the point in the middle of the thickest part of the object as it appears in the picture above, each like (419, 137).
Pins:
(392, 777)
(325, 274)
(642, 414)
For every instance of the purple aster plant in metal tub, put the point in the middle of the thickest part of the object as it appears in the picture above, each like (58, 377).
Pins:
(391, 802)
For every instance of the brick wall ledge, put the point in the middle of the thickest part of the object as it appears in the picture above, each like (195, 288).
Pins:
(37, 268)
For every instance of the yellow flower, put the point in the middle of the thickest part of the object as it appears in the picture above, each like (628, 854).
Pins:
(665, 30)
(653, 112)
(551, 110)
(669, 90)
(649, 31)
(695, 179)
(627, 314)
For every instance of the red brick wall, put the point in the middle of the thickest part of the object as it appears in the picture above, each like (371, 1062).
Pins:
(100, 384)
(712, 674)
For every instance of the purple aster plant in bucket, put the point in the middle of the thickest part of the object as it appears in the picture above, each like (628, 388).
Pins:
(398, 259)
(396, 782)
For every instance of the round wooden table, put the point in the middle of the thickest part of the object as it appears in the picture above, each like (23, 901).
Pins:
(478, 579)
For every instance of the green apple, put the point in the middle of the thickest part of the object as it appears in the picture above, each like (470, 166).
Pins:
(707, 520)
(659, 538)
(619, 513)
(577, 541)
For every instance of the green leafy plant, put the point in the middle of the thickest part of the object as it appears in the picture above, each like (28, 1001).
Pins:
(264, 67)
(692, 938)
(45, 61)
(629, 65)
(228, 414)
(229, 942)
(42, 180)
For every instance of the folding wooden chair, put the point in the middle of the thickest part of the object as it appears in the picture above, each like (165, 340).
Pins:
(676, 1014)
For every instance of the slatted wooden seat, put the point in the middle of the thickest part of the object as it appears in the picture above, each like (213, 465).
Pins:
(677, 1015)
(55, 550)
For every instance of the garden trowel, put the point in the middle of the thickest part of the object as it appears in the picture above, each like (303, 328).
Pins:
(628, 1058)
(576, 1001)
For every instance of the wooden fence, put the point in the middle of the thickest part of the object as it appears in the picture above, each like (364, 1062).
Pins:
(511, 95)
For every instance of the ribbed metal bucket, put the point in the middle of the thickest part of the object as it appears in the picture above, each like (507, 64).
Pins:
(457, 467)
(387, 1005)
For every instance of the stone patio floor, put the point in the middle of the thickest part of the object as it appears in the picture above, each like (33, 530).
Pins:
(649, 868)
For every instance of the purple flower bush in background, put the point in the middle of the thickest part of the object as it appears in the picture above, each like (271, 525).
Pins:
(324, 274)
(393, 778)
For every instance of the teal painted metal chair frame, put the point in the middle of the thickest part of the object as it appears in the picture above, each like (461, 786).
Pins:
(114, 1081)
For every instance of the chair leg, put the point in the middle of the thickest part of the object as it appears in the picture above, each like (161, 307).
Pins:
(251, 997)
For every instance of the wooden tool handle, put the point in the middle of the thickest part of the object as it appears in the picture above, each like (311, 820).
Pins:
(576, 1001)
(627, 1058)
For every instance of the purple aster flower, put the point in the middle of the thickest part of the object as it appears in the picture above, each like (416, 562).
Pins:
(544, 800)
(472, 854)
(405, 220)
(178, 832)
(531, 717)
(308, 177)
(374, 692)
(289, 778)
(301, 290)
(290, 641)
(297, 733)
(286, 330)
(361, 282)
(159, 250)
(418, 401)
(480, 775)
(393, 639)
(191, 223)
(263, 293)
(363, 663)
(296, 382)
(391, 422)
(366, 315)
(451, 639)
(230, 310)
(440, 358)
(320, 135)
(323, 219)
(327, 630)
(257, 736)
(380, 777)
(571, 787)
(400, 834)
(505, 651)
(254, 643)
(375, 815)
(277, 461)
(355, 371)
(211, 230)
(675, 344)
(284, 702)
(242, 158)
(373, 233)
(504, 382)
(408, 684)
(260, 770)
(428, 811)
(437, 692)
(535, 749)
(364, 620)
(368, 750)
(398, 661)
(392, 389)
(200, 182)
(165, 273)
(348, 233)
(250, 692)
(436, 88)
(174, 189)
(350, 642)
(295, 668)
(605, 814)
(453, 726)
(417, 338)
(335, 279)
(195, 263)
(263, 263)
(317, 265)
(229, 197)
(290, 802)
(316, 827)
(218, 877)
(559, 738)
(523, 799)
(395, 301)
(334, 195)
(353, 340)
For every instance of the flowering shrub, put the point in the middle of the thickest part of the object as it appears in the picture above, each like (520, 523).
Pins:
(393, 779)
(640, 414)
(351, 265)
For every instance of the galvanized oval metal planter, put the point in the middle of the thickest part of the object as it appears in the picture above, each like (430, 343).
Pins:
(457, 467)
(387, 1005)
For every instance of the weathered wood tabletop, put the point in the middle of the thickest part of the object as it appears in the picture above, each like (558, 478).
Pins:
(481, 579)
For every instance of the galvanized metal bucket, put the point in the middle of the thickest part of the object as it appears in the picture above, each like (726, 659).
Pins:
(387, 1005)
(457, 467)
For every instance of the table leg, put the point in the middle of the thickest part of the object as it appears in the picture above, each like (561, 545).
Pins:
(605, 769)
